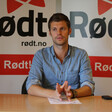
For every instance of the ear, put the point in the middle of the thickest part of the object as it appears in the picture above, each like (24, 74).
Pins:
(70, 31)
(49, 32)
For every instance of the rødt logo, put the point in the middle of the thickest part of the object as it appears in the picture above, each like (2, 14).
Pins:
(104, 5)
(12, 5)
(97, 26)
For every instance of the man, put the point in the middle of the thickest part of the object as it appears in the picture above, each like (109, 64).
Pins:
(60, 68)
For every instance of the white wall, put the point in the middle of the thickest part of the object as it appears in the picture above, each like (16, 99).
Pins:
(94, 47)
(11, 45)
(102, 85)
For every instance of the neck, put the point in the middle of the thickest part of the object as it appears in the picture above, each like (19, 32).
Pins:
(61, 52)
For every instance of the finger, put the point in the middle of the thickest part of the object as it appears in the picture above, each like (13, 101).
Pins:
(66, 82)
(57, 87)
(57, 84)
(68, 94)
(59, 97)
(58, 94)
(62, 85)
(68, 89)
(66, 85)
(69, 98)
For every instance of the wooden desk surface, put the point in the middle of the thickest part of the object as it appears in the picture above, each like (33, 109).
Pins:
(27, 103)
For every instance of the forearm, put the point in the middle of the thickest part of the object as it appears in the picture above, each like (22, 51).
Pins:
(80, 92)
(39, 91)
(83, 91)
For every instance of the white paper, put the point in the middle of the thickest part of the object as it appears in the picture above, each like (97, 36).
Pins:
(64, 101)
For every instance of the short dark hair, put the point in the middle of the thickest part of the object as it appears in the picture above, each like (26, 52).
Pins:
(58, 17)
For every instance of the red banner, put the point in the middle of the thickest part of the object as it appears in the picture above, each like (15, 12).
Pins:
(101, 66)
(15, 64)
(20, 65)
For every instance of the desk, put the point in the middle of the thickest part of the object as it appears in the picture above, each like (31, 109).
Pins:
(27, 103)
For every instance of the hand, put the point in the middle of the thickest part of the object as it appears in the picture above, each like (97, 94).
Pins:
(67, 90)
(59, 90)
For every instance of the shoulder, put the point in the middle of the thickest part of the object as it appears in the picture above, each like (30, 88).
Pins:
(79, 54)
(43, 51)
(77, 50)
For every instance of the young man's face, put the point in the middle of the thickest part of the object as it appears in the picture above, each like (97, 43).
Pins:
(59, 33)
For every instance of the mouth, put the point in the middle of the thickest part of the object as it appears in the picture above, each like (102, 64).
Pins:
(59, 38)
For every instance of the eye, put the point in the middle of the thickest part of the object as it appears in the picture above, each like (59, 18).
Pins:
(62, 28)
(54, 29)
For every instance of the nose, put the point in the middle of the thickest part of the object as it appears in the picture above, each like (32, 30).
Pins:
(59, 32)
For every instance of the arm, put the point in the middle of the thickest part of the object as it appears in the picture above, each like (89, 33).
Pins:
(81, 92)
(86, 79)
(34, 81)
(40, 91)
(35, 78)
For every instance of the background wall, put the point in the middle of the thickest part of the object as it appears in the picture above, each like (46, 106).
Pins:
(92, 15)
(99, 48)
(23, 31)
